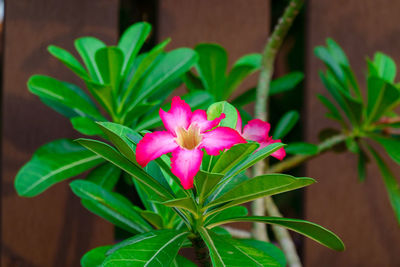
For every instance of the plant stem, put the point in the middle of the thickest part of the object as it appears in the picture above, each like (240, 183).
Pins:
(261, 112)
(201, 250)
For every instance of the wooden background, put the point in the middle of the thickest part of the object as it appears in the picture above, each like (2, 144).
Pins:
(54, 230)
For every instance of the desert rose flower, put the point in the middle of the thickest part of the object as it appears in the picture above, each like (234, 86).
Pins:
(258, 131)
(187, 133)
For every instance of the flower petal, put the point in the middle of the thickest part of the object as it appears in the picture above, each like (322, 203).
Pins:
(185, 164)
(153, 145)
(279, 154)
(199, 118)
(239, 123)
(178, 116)
(219, 139)
(256, 130)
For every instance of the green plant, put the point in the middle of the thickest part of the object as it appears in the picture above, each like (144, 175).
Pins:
(127, 87)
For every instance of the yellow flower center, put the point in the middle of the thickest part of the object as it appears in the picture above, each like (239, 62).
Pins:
(189, 138)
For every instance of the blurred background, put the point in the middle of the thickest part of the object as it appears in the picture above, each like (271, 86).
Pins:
(53, 229)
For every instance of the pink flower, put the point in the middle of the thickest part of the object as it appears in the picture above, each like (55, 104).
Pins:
(258, 130)
(187, 134)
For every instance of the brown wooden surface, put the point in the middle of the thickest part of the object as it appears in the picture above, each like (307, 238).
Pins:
(359, 213)
(52, 229)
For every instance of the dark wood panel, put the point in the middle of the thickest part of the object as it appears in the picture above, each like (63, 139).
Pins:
(359, 213)
(240, 26)
(52, 229)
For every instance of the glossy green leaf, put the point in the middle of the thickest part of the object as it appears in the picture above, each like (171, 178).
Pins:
(184, 203)
(205, 182)
(302, 148)
(131, 41)
(385, 66)
(308, 229)
(65, 94)
(103, 94)
(192, 81)
(110, 206)
(391, 146)
(381, 97)
(153, 218)
(232, 212)
(142, 68)
(211, 67)
(226, 251)
(155, 248)
(109, 61)
(215, 110)
(68, 59)
(52, 163)
(331, 62)
(242, 68)
(110, 154)
(87, 48)
(181, 261)
(267, 248)
(95, 257)
(334, 113)
(260, 186)
(286, 124)
(233, 156)
(170, 67)
(118, 135)
(86, 126)
(391, 184)
(105, 175)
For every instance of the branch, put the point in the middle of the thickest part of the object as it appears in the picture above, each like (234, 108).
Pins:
(261, 112)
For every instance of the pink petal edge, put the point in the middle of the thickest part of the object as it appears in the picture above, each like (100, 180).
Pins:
(256, 130)
(219, 139)
(199, 118)
(178, 116)
(153, 145)
(185, 164)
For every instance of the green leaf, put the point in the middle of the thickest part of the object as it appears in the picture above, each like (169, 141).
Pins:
(65, 94)
(231, 116)
(285, 124)
(103, 94)
(391, 184)
(253, 159)
(277, 86)
(181, 261)
(391, 146)
(85, 126)
(385, 66)
(231, 157)
(87, 48)
(231, 212)
(382, 97)
(361, 165)
(52, 163)
(153, 218)
(143, 67)
(131, 41)
(245, 66)
(68, 60)
(117, 134)
(184, 203)
(260, 186)
(267, 248)
(110, 154)
(211, 67)
(226, 251)
(192, 81)
(109, 61)
(334, 112)
(205, 182)
(155, 248)
(170, 67)
(105, 175)
(302, 148)
(110, 206)
(95, 257)
(308, 229)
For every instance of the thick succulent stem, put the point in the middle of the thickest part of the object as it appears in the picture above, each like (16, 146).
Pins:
(261, 112)
(201, 250)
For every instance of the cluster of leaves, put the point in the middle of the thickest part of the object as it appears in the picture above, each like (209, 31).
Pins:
(174, 216)
(365, 118)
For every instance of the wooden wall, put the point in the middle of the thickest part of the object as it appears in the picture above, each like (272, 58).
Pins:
(359, 213)
(52, 229)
